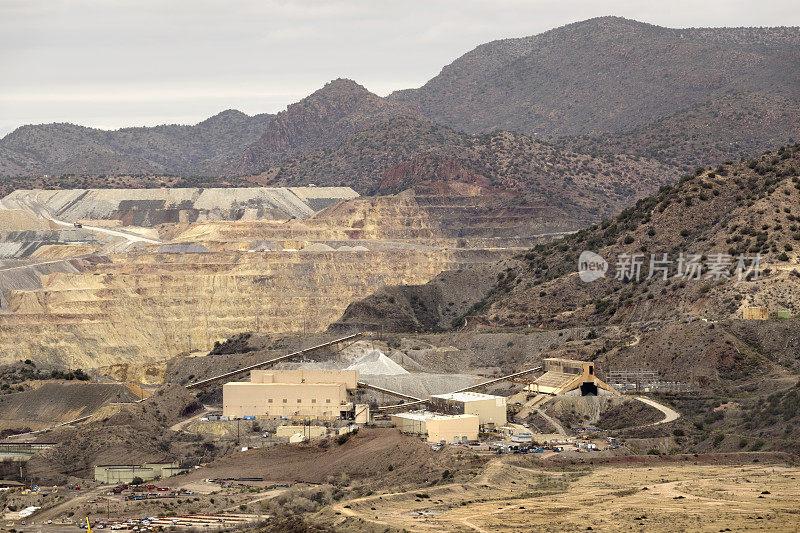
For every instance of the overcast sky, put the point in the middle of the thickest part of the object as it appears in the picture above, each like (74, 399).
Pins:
(114, 63)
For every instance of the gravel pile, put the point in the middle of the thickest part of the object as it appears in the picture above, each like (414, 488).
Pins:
(376, 363)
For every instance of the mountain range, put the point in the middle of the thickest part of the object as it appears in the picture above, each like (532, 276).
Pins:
(604, 75)
(405, 152)
(604, 87)
(59, 148)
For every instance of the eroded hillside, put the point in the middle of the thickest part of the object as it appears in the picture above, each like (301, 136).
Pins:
(744, 209)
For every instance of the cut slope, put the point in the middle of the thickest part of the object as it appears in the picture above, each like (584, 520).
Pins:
(56, 402)
(150, 207)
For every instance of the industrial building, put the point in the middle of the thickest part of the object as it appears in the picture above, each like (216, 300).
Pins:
(763, 313)
(490, 409)
(312, 432)
(438, 427)
(564, 375)
(315, 394)
(126, 473)
(755, 313)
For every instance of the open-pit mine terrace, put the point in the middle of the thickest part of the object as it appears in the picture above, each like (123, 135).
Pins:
(98, 277)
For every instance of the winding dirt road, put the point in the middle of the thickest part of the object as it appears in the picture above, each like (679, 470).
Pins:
(40, 209)
(669, 414)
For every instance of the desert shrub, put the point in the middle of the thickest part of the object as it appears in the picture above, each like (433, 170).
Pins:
(298, 501)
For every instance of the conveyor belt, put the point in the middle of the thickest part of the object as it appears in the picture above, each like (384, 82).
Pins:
(226, 375)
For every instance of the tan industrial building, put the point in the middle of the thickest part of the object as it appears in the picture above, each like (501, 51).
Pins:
(314, 394)
(490, 409)
(126, 473)
(438, 427)
(755, 313)
(312, 432)
(348, 377)
(564, 375)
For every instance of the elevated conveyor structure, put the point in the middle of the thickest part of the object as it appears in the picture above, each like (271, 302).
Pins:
(269, 362)
(416, 402)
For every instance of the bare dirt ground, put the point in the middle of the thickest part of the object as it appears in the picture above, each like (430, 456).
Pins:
(54, 402)
(377, 457)
(513, 494)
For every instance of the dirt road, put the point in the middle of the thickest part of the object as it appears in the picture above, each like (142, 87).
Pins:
(40, 209)
(183, 423)
(669, 414)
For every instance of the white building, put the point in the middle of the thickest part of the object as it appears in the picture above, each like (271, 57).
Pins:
(438, 427)
(490, 409)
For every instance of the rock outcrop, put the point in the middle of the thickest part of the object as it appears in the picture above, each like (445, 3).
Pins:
(341, 108)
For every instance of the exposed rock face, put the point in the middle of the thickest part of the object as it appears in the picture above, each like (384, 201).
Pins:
(450, 217)
(267, 276)
(338, 110)
(408, 152)
(149, 307)
(213, 279)
(27, 276)
(426, 168)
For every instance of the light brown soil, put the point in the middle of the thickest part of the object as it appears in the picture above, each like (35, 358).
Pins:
(512, 494)
(56, 402)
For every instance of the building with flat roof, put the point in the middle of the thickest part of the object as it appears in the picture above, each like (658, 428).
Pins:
(347, 377)
(490, 409)
(312, 432)
(127, 473)
(437, 427)
(316, 394)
